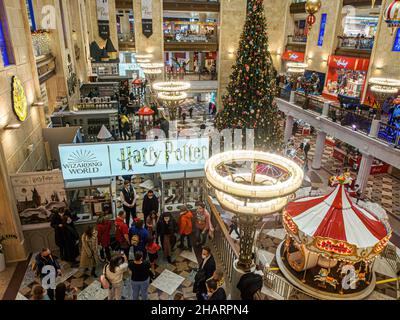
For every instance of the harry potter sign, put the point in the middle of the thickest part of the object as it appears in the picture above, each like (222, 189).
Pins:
(84, 161)
(147, 18)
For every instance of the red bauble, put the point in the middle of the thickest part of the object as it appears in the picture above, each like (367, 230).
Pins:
(311, 19)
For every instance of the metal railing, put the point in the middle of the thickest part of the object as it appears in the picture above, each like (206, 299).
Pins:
(222, 241)
(360, 43)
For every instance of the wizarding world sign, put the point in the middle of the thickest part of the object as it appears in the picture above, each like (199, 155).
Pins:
(84, 161)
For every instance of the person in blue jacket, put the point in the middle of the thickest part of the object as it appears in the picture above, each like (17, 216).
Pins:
(139, 237)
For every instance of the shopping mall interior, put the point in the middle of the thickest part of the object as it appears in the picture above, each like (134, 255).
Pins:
(200, 150)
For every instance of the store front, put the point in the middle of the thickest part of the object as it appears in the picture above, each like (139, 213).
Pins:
(292, 56)
(346, 78)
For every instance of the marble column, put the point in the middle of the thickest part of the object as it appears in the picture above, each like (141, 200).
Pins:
(288, 127)
(155, 43)
(319, 150)
(364, 171)
(277, 13)
(383, 61)
(317, 56)
(230, 31)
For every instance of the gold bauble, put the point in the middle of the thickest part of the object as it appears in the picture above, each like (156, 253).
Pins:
(313, 6)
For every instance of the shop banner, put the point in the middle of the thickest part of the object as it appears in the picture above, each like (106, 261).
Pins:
(293, 56)
(322, 30)
(147, 18)
(349, 63)
(84, 161)
(103, 19)
(37, 193)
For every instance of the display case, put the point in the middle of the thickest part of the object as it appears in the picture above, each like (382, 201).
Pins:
(179, 188)
(90, 198)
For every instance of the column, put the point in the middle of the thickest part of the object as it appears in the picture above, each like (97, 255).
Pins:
(288, 127)
(383, 62)
(277, 13)
(14, 249)
(317, 56)
(229, 37)
(364, 171)
(319, 150)
(155, 43)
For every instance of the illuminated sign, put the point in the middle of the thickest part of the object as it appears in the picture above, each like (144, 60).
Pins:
(396, 44)
(83, 161)
(322, 30)
(19, 102)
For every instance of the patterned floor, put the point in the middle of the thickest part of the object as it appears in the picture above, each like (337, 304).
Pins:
(383, 189)
(89, 287)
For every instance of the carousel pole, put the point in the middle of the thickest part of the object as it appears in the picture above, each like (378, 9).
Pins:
(305, 267)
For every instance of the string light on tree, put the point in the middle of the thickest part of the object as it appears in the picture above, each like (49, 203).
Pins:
(249, 102)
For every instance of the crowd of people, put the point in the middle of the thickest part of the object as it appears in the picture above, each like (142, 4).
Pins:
(108, 246)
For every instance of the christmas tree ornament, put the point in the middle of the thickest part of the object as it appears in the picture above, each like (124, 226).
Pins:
(312, 7)
(392, 16)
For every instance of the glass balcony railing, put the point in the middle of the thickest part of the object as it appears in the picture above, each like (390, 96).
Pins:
(360, 43)
(190, 38)
(297, 39)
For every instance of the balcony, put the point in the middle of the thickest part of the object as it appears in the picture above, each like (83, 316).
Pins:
(355, 46)
(46, 67)
(192, 5)
(126, 41)
(353, 125)
(298, 6)
(193, 42)
(296, 43)
(361, 3)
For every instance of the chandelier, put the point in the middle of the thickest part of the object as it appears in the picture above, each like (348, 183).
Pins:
(250, 193)
(172, 94)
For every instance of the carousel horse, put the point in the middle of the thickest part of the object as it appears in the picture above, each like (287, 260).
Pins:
(323, 277)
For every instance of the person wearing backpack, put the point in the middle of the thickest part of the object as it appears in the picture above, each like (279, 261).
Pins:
(113, 276)
(122, 233)
(139, 237)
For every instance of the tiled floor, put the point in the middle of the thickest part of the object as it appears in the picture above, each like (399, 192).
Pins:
(89, 287)
(5, 278)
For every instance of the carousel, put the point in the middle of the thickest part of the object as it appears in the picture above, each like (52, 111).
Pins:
(331, 245)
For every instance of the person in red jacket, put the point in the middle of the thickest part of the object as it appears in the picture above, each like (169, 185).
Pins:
(185, 227)
(103, 235)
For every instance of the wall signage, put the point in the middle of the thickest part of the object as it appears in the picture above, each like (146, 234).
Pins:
(84, 161)
(103, 19)
(322, 30)
(396, 44)
(18, 98)
(147, 18)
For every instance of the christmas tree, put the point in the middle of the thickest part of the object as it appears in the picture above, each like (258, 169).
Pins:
(249, 102)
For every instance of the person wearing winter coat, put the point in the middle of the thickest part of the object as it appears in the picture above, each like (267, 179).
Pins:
(89, 256)
(114, 273)
(166, 229)
(150, 203)
(151, 223)
(103, 234)
(139, 237)
(70, 239)
(214, 292)
(57, 225)
(207, 268)
(185, 227)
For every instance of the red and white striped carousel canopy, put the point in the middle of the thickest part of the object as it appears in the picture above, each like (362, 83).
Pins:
(335, 216)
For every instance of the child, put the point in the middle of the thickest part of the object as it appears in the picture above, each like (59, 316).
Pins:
(152, 249)
(185, 227)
